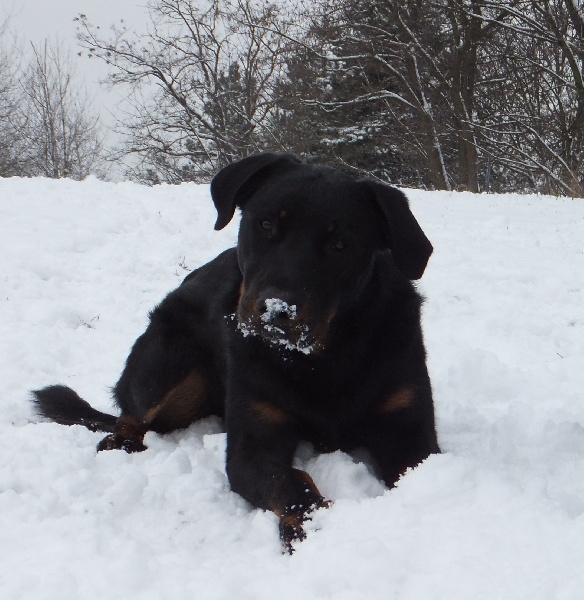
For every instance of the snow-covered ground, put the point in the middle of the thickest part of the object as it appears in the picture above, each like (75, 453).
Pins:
(499, 515)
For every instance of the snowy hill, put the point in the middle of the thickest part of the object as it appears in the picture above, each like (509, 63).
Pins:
(500, 515)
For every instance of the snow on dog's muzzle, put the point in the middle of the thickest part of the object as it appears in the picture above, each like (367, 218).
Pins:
(278, 309)
(279, 325)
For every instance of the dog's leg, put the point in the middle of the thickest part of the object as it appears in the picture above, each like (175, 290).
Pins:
(259, 468)
(177, 408)
(128, 435)
(399, 443)
(163, 386)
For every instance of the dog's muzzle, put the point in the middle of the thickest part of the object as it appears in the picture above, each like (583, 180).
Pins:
(278, 321)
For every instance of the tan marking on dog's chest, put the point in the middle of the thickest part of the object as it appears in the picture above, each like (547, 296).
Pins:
(268, 412)
(399, 400)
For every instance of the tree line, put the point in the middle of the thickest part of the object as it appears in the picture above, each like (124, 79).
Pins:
(478, 95)
(446, 94)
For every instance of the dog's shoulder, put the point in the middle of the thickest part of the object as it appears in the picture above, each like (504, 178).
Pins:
(222, 270)
(209, 292)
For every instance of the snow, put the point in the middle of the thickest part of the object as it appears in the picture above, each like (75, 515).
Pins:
(275, 335)
(277, 306)
(499, 515)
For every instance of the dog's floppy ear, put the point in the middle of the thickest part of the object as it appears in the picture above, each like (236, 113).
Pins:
(409, 246)
(235, 183)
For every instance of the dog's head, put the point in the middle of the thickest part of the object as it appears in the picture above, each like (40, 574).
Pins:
(308, 239)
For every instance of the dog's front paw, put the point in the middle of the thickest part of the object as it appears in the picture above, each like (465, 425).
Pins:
(292, 521)
(115, 441)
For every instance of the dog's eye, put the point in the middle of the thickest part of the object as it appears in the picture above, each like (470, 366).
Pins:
(339, 245)
(266, 225)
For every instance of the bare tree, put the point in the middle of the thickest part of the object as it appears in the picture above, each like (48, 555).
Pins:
(408, 73)
(214, 66)
(10, 124)
(62, 140)
(532, 121)
(448, 94)
(453, 94)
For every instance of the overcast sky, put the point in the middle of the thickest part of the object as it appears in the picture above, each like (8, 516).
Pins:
(37, 20)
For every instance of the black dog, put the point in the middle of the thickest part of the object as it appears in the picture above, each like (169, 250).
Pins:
(308, 330)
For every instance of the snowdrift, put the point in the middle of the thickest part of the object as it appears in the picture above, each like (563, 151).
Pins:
(499, 515)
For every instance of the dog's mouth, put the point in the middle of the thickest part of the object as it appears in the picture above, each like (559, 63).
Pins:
(280, 326)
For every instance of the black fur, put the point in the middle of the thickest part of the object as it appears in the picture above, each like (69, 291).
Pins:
(308, 330)
(61, 404)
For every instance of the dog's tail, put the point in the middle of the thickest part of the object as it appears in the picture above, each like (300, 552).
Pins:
(62, 405)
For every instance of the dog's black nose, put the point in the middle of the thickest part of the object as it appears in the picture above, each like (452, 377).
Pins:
(275, 305)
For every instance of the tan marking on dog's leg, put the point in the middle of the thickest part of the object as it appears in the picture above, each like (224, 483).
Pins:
(181, 406)
(291, 519)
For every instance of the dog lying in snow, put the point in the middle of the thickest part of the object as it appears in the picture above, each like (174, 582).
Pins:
(308, 330)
